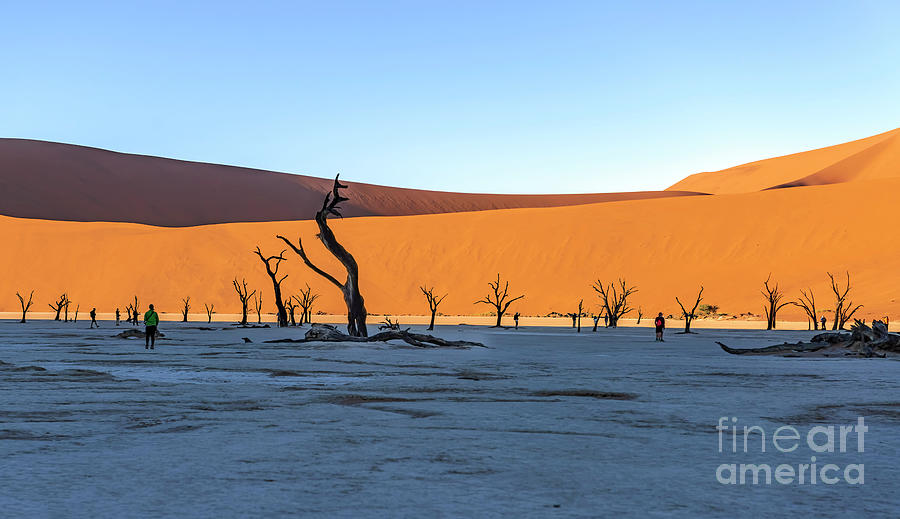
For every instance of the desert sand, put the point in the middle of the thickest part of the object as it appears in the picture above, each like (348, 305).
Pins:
(55, 181)
(871, 158)
(544, 423)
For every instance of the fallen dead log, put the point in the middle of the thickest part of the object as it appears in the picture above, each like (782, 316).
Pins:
(862, 341)
(328, 333)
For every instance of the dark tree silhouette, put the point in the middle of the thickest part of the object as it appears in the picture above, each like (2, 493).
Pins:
(773, 297)
(244, 295)
(134, 309)
(356, 308)
(306, 300)
(640, 314)
(184, 310)
(499, 299)
(843, 309)
(257, 305)
(210, 310)
(433, 302)
(689, 316)
(59, 306)
(291, 308)
(66, 309)
(580, 311)
(26, 305)
(614, 300)
(77, 307)
(272, 271)
(807, 302)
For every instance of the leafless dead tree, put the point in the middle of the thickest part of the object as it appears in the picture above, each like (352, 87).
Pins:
(134, 309)
(210, 310)
(356, 308)
(807, 302)
(843, 309)
(26, 305)
(689, 316)
(433, 302)
(257, 305)
(580, 311)
(306, 300)
(499, 299)
(614, 299)
(291, 308)
(388, 324)
(773, 297)
(640, 312)
(77, 307)
(58, 306)
(244, 295)
(272, 271)
(184, 310)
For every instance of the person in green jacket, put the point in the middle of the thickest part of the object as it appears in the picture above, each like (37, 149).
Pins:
(151, 321)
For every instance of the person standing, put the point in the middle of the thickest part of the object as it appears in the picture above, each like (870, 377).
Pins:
(660, 326)
(516, 319)
(151, 321)
(118, 316)
(94, 318)
(823, 322)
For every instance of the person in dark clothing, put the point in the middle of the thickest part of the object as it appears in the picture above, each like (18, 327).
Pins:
(118, 316)
(151, 321)
(823, 322)
(94, 318)
(660, 326)
(516, 319)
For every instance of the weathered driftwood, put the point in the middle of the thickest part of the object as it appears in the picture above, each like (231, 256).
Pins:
(328, 333)
(862, 341)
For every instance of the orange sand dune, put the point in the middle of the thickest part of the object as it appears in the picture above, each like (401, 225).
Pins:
(668, 247)
(871, 158)
(56, 181)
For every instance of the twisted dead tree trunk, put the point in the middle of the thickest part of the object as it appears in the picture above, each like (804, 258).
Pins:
(614, 300)
(580, 311)
(689, 316)
(862, 341)
(499, 300)
(134, 308)
(66, 309)
(773, 297)
(276, 284)
(356, 308)
(433, 302)
(306, 300)
(77, 307)
(843, 309)
(640, 314)
(291, 308)
(210, 310)
(58, 306)
(185, 309)
(244, 295)
(328, 333)
(807, 302)
(26, 305)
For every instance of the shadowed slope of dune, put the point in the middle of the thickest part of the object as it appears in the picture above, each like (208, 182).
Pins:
(552, 255)
(869, 158)
(56, 181)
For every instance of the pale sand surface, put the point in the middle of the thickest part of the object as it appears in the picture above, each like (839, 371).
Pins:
(208, 426)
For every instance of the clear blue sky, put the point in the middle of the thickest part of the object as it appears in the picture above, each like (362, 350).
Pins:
(468, 96)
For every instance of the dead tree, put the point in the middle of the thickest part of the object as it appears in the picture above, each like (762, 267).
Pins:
(499, 300)
(689, 316)
(244, 294)
(134, 309)
(26, 305)
(356, 308)
(58, 306)
(580, 311)
(77, 307)
(433, 302)
(185, 309)
(306, 300)
(291, 308)
(272, 271)
(807, 302)
(257, 305)
(210, 310)
(614, 300)
(640, 314)
(843, 309)
(66, 309)
(773, 297)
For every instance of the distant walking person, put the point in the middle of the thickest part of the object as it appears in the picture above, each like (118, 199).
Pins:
(94, 318)
(516, 319)
(118, 316)
(823, 322)
(606, 320)
(151, 321)
(660, 326)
